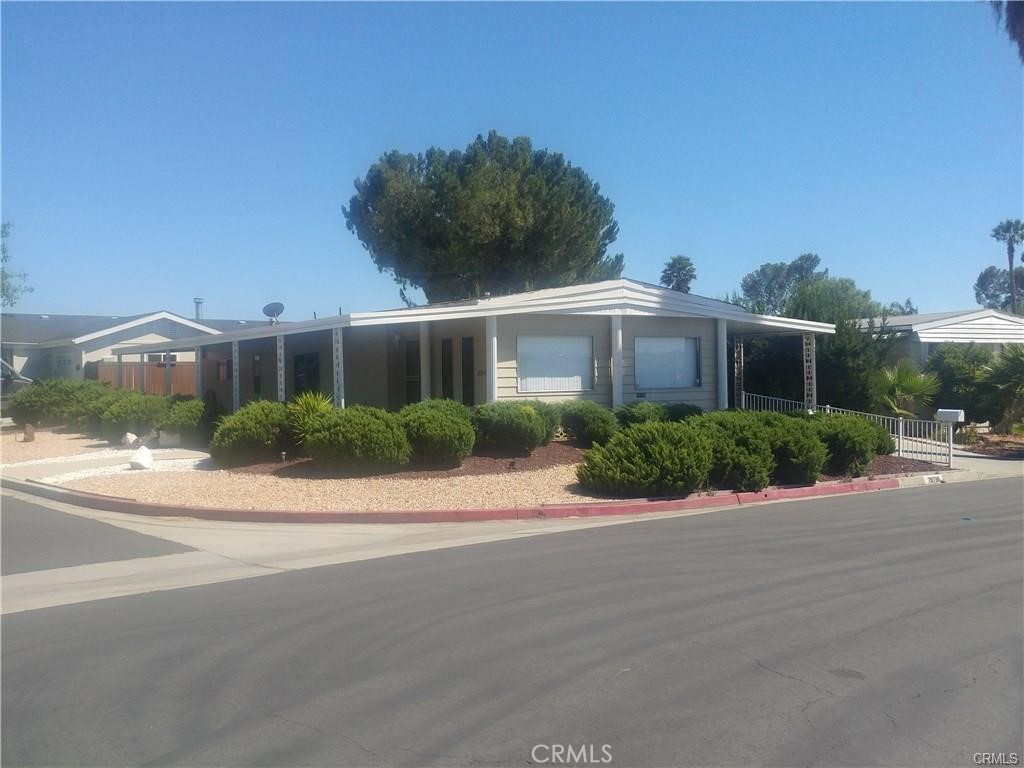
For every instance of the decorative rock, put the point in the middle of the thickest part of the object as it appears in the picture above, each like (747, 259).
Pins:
(141, 459)
(129, 439)
(28, 434)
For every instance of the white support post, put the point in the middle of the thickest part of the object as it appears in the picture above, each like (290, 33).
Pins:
(949, 445)
(617, 378)
(810, 374)
(722, 363)
(120, 371)
(199, 371)
(338, 343)
(236, 392)
(281, 397)
(425, 361)
(142, 371)
(899, 437)
(738, 393)
(491, 330)
(168, 375)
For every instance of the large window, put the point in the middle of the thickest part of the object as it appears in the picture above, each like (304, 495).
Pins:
(667, 362)
(555, 363)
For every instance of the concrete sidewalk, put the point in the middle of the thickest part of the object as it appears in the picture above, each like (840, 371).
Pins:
(111, 457)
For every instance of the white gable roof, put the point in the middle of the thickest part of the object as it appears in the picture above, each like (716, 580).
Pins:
(985, 326)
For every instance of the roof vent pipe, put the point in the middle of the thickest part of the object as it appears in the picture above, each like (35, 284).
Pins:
(199, 308)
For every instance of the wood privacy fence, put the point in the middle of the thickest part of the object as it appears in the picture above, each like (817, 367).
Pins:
(183, 377)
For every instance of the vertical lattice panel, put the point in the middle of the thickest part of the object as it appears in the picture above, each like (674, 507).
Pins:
(810, 374)
(280, 369)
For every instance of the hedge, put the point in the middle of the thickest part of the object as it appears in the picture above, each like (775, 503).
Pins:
(133, 412)
(851, 441)
(741, 447)
(639, 412)
(440, 432)
(53, 401)
(550, 414)
(359, 437)
(799, 455)
(649, 459)
(257, 431)
(509, 426)
(588, 423)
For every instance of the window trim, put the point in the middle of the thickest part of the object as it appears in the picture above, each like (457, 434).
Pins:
(698, 372)
(593, 364)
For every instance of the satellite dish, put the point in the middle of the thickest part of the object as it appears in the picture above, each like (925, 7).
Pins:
(273, 310)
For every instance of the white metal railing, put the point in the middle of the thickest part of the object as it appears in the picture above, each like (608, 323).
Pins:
(914, 438)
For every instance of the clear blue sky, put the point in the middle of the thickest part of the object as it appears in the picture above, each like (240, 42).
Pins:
(156, 152)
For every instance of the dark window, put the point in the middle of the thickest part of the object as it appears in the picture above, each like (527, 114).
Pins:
(257, 379)
(447, 370)
(412, 371)
(224, 370)
(468, 372)
(307, 372)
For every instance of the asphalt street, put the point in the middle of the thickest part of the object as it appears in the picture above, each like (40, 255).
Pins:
(34, 538)
(878, 629)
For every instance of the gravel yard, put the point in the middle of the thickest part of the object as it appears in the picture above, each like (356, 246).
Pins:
(238, 490)
(47, 445)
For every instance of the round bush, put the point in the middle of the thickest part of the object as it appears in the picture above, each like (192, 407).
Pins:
(509, 426)
(648, 459)
(87, 412)
(359, 436)
(851, 442)
(681, 411)
(639, 412)
(134, 412)
(184, 417)
(799, 454)
(256, 432)
(742, 457)
(550, 414)
(439, 431)
(588, 423)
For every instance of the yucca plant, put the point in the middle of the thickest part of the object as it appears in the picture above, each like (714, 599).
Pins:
(305, 411)
(1003, 381)
(906, 391)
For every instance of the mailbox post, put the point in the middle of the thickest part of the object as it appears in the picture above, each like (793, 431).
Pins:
(951, 417)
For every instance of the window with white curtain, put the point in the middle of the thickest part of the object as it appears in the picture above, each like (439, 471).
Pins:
(664, 362)
(555, 363)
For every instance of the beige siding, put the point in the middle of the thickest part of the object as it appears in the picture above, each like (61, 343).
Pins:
(512, 326)
(985, 330)
(704, 395)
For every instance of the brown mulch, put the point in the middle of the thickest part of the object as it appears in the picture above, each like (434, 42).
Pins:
(1003, 446)
(895, 465)
(558, 453)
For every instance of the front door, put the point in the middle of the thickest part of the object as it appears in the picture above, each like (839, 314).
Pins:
(413, 391)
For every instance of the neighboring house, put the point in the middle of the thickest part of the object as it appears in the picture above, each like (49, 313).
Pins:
(918, 335)
(612, 342)
(46, 346)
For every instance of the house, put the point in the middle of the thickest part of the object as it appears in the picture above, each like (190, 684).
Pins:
(918, 335)
(611, 342)
(68, 346)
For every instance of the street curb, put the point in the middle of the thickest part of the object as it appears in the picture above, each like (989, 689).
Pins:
(587, 509)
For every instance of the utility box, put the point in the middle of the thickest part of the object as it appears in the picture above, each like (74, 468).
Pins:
(949, 415)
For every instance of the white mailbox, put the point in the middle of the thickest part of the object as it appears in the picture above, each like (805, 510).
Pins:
(950, 415)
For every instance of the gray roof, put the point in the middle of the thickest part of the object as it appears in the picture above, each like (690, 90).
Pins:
(25, 328)
(897, 321)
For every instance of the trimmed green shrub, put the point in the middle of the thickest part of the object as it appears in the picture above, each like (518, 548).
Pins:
(799, 453)
(185, 417)
(256, 432)
(50, 401)
(884, 444)
(550, 414)
(359, 436)
(588, 423)
(850, 440)
(305, 411)
(741, 448)
(87, 412)
(681, 411)
(509, 426)
(648, 459)
(639, 412)
(439, 431)
(133, 412)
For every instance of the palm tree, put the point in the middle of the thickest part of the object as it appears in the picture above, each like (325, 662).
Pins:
(678, 273)
(1010, 232)
(906, 391)
(1004, 381)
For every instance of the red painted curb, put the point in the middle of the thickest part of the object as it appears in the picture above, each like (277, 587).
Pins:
(587, 509)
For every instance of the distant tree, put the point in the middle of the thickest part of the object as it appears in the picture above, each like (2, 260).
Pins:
(1011, 13)
(1011, 232)
(12, 284)
(899, 308)
(958, 367)
(767, 289)
(678, 273)
(992, 288)
(499, 217)
(831, 300)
